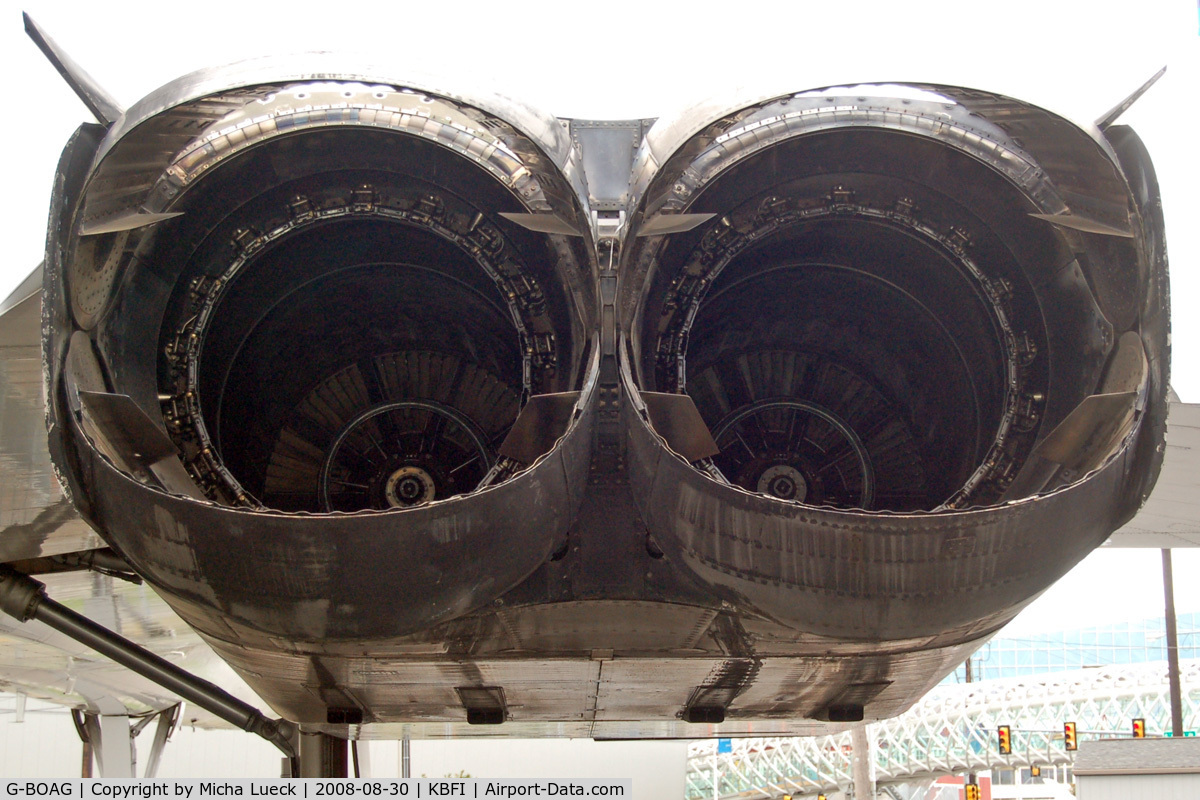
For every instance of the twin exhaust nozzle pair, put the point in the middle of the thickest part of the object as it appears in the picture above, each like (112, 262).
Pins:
(831, 346)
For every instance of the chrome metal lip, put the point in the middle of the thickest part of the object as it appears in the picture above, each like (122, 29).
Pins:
(325, 66)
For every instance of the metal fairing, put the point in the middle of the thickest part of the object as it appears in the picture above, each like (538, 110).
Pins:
(887, 572)
(914, 339)
(35, 518)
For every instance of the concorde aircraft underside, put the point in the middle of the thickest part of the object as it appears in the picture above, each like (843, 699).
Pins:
(431, 411)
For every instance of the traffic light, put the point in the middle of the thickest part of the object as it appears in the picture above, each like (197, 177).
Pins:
(1035, 771)
(971, 792)
(1139, 728)
(1004, 733)
(1069, 736)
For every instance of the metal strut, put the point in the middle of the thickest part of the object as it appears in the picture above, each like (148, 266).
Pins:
(25, 598)
(102, 105)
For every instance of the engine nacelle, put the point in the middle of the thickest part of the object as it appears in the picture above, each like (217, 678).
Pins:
(293, 323)
(932, 355)
(428, 408)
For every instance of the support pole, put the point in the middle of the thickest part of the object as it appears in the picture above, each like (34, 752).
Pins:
(323, 756)
(24, 598)
(860, 755)
(166, 723)
(405, 757)
(117, 757)
(1172, 647)
(91, 723)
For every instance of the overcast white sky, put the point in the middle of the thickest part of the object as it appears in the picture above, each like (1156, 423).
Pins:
(625, 59)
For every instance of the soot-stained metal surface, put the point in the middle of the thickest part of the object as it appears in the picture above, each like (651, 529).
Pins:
(466, 420)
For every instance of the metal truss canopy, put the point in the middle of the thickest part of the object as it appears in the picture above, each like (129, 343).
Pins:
(953, 730)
